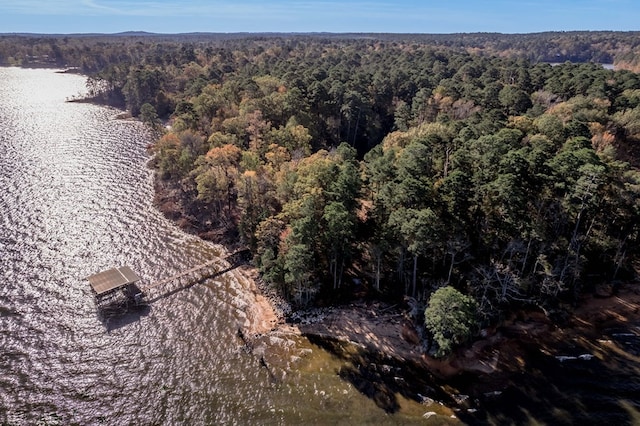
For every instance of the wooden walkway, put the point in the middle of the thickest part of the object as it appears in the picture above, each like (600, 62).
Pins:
(182, 274)
(191, 276)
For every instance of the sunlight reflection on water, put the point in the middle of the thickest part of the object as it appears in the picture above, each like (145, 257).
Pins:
(77, 199)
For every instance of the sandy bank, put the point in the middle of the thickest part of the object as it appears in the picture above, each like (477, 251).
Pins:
(262, 315)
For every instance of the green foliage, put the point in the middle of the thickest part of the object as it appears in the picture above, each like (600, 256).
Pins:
(515, 101)
(149, 116)
(142, 86)
(450, 317)
(169, 158)
(298, 260)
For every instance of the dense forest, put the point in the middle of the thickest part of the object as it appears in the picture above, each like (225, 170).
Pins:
(392, 165)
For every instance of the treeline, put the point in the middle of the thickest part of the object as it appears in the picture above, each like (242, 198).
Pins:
(95, 52)
(393, 165)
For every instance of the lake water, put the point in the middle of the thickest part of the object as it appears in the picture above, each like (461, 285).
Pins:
(75, 199)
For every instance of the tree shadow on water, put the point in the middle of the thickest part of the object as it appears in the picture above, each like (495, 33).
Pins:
(564, 391)
(382, 378)
(368, 383)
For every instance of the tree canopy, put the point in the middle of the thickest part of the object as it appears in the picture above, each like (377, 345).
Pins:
(450, 317)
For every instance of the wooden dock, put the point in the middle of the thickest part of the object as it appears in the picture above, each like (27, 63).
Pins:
(111, 281)
(196, 269)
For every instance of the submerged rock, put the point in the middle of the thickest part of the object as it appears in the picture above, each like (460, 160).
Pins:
(583, 357)
(425, 400)
(563, 358)
(493, 394)
(460, 399)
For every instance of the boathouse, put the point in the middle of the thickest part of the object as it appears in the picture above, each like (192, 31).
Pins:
(115, 282)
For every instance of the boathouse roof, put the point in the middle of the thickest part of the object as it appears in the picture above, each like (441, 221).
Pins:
(112, 279)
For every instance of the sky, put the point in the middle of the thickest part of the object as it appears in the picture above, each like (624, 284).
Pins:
(379, 16)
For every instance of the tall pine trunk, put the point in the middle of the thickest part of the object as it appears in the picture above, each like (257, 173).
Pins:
(415, 270)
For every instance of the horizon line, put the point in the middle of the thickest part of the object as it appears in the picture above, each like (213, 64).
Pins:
(196, 33)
